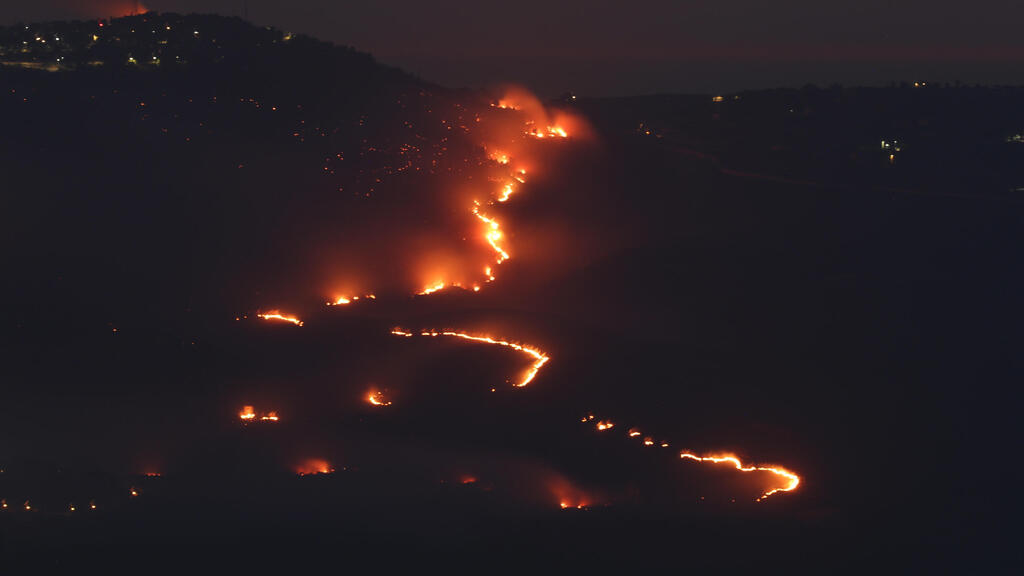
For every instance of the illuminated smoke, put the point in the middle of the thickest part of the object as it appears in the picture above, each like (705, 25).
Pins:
(314, 466)
(447, 254)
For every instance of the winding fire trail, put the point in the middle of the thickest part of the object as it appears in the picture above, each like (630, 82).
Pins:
(792, 480)
(540, 358)
(492, 234)
(276, 315)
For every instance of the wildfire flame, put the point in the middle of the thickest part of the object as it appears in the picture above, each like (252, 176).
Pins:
(248, 414)
(793, 479)
(549, 132)
(314, 466)
(276, 315)
(493, 232)
(433, 288)
(342, 300)
(540, 359)
(376, 398)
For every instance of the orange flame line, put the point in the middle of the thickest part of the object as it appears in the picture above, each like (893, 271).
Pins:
(275, 315)
(794, 480)
(540, 359)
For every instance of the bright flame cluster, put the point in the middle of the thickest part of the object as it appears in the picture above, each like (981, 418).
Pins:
(248, 414)
(342, 300)
(376, 397)
(540, 358)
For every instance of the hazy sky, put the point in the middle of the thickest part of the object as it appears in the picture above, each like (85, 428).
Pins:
(606, 47)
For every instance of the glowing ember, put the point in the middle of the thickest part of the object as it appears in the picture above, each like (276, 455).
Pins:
(248, 414)
(276, 315)
(793, 479)
(342, 300)
(539, 357)
(314, 466)
(605, 425)
(633, 432)
(376, 398)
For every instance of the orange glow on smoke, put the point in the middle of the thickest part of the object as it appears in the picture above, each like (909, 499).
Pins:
(276, 315)
(792, 479)
(314, 466)
(432, 289)
(549, 132)
(247, 413)
(540, 359)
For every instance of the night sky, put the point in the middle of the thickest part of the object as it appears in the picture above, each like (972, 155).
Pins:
(599, 47)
